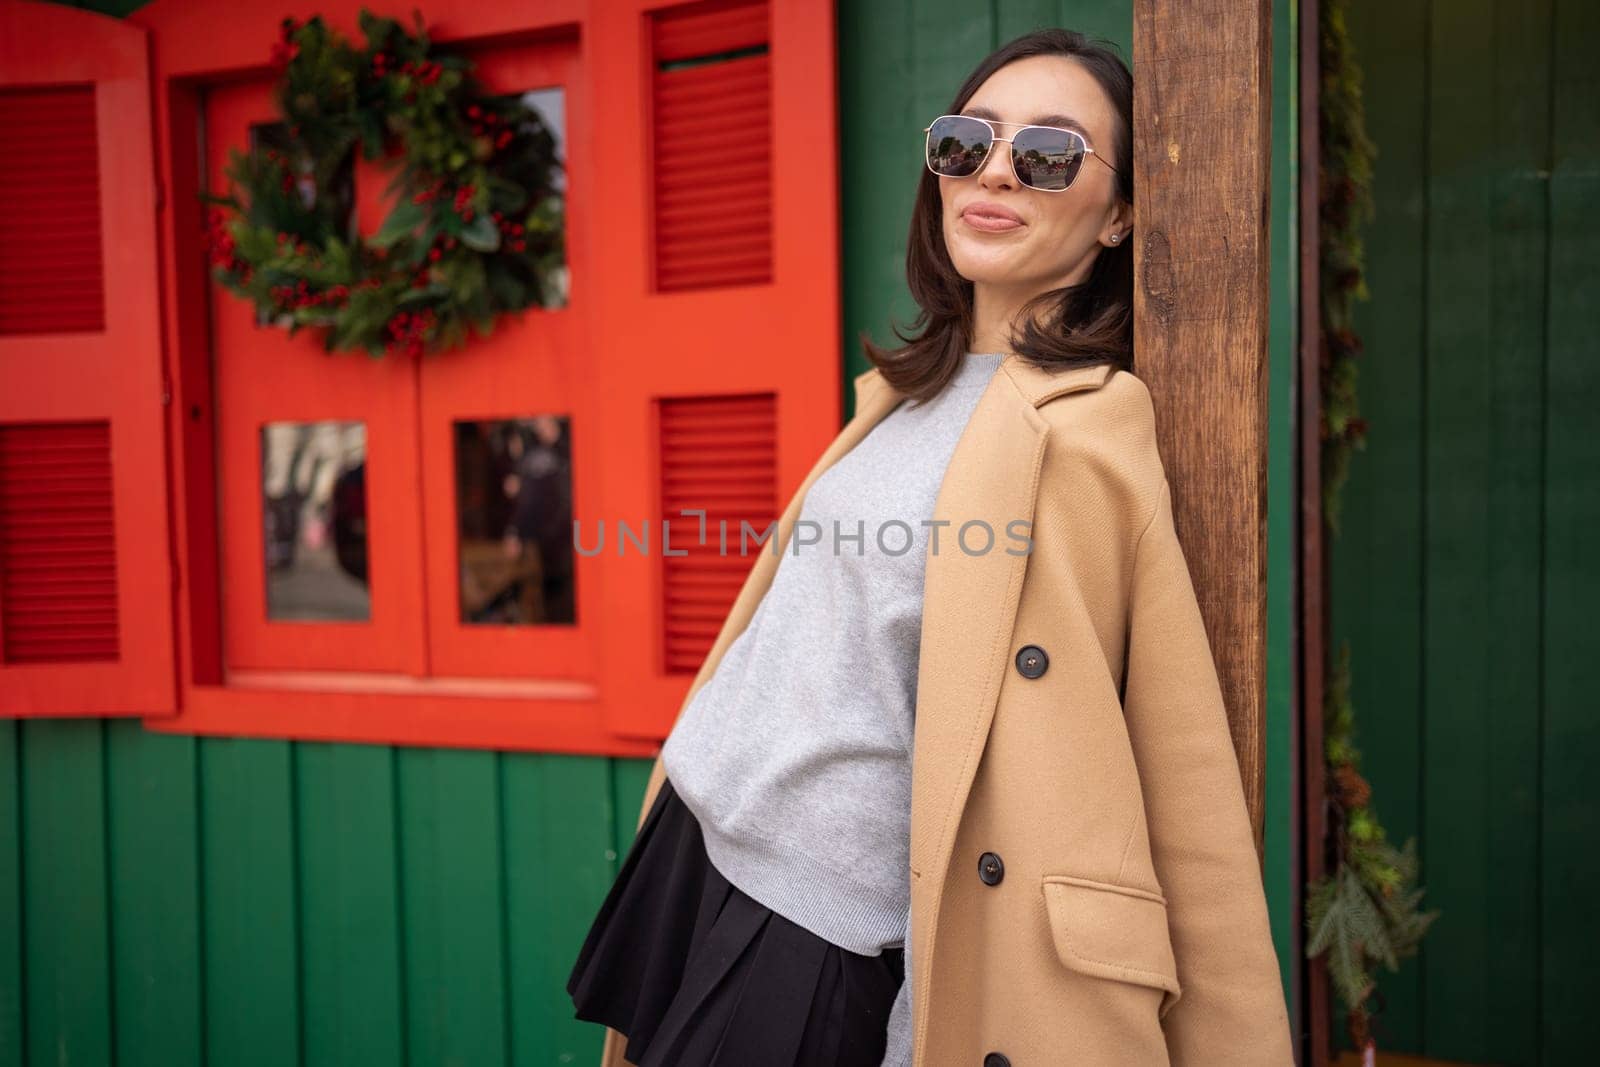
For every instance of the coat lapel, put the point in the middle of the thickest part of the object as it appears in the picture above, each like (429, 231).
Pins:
(969, 604)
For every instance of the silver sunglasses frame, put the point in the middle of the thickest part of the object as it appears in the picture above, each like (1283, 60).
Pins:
(994, 135)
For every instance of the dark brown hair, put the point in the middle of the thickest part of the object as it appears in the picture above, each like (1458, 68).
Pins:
(1089, 323)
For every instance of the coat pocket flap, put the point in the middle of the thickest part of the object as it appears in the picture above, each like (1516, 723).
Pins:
(1112, 931)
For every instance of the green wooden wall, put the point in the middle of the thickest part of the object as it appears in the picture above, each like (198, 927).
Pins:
(170, 901)
(1463, 579)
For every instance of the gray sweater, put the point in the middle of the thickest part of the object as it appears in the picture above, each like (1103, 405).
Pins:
(795, 755)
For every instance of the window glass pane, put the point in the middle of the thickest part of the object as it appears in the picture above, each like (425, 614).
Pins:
(314, 507)
(514, 508)
(548, 236)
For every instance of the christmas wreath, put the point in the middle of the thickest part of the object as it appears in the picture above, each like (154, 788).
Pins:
(475, 230)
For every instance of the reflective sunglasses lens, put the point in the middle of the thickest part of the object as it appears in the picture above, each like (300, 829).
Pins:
(958, 145)
(1047, 159)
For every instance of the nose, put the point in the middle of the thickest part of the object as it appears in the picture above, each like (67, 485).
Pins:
(996, 170)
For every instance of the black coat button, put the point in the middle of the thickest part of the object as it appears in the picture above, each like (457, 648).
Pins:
(1031, 661)
(996, 1059)
(990, 869)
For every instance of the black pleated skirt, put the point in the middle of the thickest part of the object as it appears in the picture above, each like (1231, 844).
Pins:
(695, 972)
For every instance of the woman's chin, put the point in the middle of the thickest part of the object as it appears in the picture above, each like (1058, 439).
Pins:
(986, 269)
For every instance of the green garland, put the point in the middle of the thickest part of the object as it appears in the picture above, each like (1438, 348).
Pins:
(476, 229)
(1366, 909)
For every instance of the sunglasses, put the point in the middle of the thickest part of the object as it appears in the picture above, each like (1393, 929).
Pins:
(1042, 157)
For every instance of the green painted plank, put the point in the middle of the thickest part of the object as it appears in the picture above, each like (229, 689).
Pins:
(629, 778)
(1570, 825)
(1111, 21)
(1375, 562)
(1457, 657)
(1485, 346)
(12, 1033)
(154, 854)
(1519, 221)
(559, 820)
(352, 1002)
(453, 909)
(252, 989)
(880, 160)
(67, 946)
(1281, 830)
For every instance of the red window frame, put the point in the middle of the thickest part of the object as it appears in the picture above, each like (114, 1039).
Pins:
(598, 688)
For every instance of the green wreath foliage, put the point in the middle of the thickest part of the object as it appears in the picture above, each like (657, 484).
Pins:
(476, 227)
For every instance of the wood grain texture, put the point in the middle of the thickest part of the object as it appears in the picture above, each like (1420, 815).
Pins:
(1201, 167)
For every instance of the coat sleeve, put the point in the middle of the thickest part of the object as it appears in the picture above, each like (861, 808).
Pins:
(1230, 1008)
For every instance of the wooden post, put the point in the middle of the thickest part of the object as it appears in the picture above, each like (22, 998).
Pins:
(1202, 152)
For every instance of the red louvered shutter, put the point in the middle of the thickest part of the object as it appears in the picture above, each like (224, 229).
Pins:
(85, 578)
(711, 97)
(718, 455)
(52, 279)
(58, 545)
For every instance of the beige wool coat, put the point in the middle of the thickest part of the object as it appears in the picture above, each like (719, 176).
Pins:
(1125, 921)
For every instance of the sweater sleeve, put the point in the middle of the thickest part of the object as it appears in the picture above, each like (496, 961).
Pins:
(1231, 1005)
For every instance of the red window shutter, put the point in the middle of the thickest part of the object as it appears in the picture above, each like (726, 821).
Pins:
(58, 550)
(85, 579)
(52, 279)
(718, 455)
(712, 153)
(718, 321)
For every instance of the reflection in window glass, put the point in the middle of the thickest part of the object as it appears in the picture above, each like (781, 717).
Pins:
(514, 508)
(549, 232)
(314, 506)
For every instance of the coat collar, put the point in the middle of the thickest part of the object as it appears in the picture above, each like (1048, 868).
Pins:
(1035, 384)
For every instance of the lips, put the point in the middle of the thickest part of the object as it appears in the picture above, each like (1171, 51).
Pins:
(991, 217)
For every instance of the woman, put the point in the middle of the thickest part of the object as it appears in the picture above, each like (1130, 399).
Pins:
(955, 784)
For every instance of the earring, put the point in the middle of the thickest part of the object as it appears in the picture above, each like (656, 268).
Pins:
(1114, 237)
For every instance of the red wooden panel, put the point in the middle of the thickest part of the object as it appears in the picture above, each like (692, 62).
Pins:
(711, 157)
(85, 568)
(52, 278)
(718, 455)
(58, 544)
